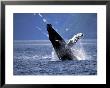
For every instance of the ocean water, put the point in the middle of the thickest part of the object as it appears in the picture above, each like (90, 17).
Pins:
(35, 57)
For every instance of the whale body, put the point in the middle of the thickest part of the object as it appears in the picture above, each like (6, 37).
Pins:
(62, 49)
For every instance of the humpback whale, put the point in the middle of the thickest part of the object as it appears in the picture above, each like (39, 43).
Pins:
(62, 49)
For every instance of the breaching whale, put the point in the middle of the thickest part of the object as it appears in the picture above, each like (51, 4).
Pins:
(62, 49)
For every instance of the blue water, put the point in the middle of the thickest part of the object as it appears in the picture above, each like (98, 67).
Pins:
(35, 58)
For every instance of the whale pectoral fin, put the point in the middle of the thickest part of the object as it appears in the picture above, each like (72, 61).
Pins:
(74, 39)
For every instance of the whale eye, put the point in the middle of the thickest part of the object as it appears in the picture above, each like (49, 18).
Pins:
(56, 40)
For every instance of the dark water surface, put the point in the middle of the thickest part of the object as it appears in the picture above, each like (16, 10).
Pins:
(34, 58)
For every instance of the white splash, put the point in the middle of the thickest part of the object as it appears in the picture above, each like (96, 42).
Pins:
(38, 28)
(44, 20)
(66, 29)
(54, 56)
(40, 14)
(78, 51)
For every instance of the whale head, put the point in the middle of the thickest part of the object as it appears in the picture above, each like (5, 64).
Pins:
(56, 40)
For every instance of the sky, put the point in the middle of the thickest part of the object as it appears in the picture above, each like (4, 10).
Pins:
(32, 26)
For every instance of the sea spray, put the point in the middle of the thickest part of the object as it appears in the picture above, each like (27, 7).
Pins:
(78, 51)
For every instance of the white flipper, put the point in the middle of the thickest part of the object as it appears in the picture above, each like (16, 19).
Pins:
(74, 39)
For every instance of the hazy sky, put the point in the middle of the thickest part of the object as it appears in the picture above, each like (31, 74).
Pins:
(32, 26)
